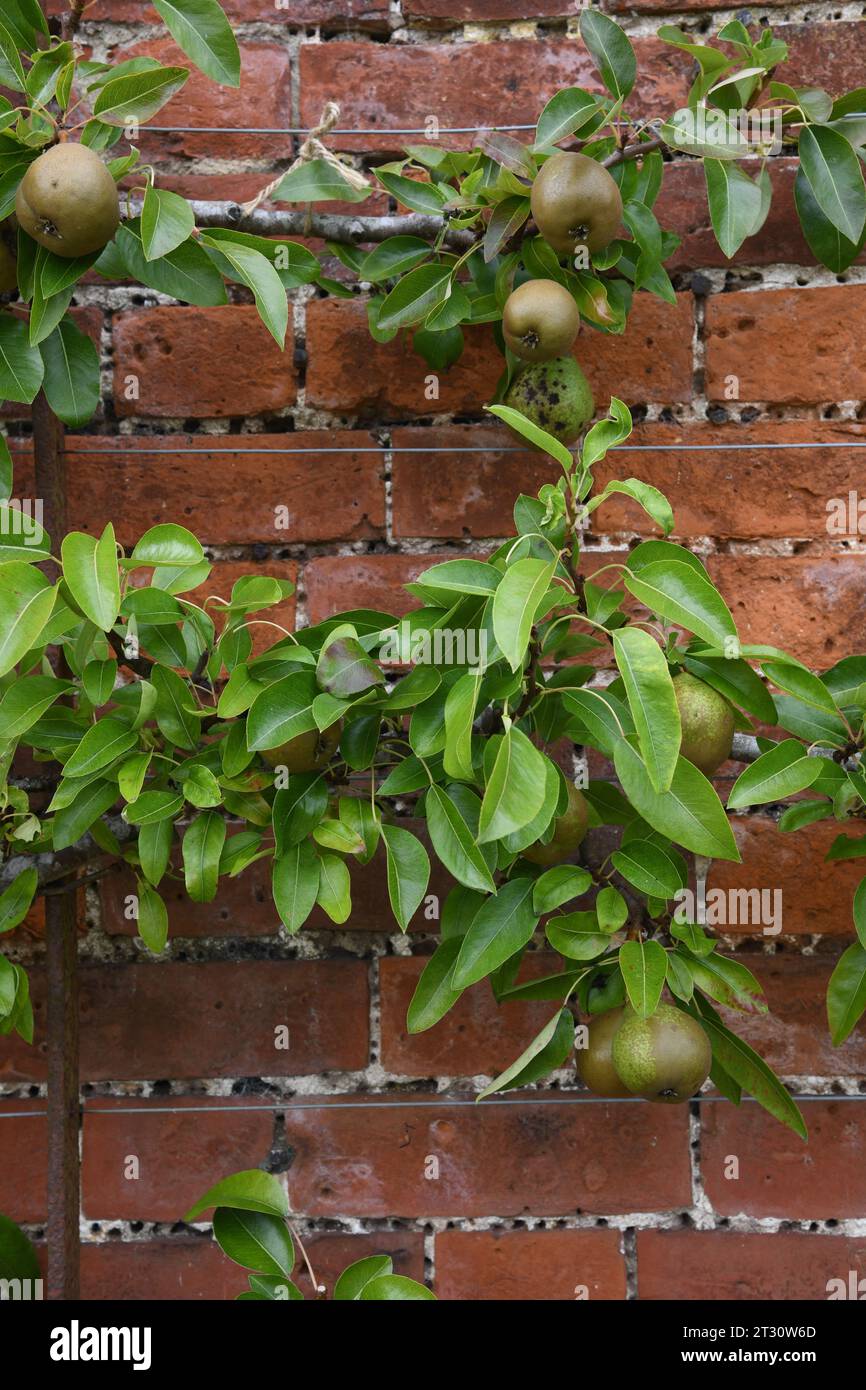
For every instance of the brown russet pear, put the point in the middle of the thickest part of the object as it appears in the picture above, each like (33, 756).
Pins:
(664, 1058)
(540, 320)
(67, 201)
(568, 832)
(594, 1062)
(306, 752)
(555, 396)
(707, 723)
(575, 202)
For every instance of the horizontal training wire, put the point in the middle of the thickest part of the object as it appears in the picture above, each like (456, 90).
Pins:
(438, 1102)
(302, 130)
(455, 449)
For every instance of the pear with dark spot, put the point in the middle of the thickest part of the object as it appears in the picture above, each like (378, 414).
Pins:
(555, 396)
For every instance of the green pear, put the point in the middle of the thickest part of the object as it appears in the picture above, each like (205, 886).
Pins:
(575, 202)
(707, 722)
(540, 320)
(67, 201)
(594, 1062)
(665, 1057)
(555, 396)
(568, 832)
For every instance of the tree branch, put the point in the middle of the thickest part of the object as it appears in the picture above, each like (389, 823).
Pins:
(746, 750)
(51, 865)
(349, 229)
(72, 20)
(634, 151)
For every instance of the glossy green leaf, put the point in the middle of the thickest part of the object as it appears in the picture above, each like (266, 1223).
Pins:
(515, 790)
(201, 29)
(846, 993)
(26, 601)
(408, 871)
(500, 928)
(202, 845)
(72, 373)
(649, 688)
(295, 884)
(252, 1190)
(90, 570)
(549, 1050)
(152, 919)
(689, 813)
(644, 967)
(515, 604)
(167, 221)
(775, 775)
(434, 994)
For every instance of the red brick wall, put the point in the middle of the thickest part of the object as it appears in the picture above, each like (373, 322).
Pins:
(527, 1200)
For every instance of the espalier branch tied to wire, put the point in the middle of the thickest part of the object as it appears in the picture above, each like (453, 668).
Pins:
(170, 746)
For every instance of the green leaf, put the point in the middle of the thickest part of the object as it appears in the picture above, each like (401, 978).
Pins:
(26, 601)
(16, 899)
(74, 820)
(21, 368)
(295, 884)
(501, 927)
(835, 178)
(612, 51)
(460, 706)
(802, 684)
(846, 993)
(434, 994)
(335, 890)
(356, 1276)
(90, 569)
(72, 380)
(392, 258)
(650, 869)
(25, 701)
(749, 1070)
(577, 935)
(167, 544)
(139, 96)
(515, 790)
(414, 296)
(256, 272)
(395, 1288)
(408, 872)
(728, 981)
(152, 919)
(689, 813)
(644, 967)
(255, 1240)
(202, 846)
(736, 202)
(678, 592)
(826, 242)
(173, 696)
(454, 842)
(344, 668)
(567, 112)
(152, 807)
(540, 438)
(200, 28)
(103, 744)
(282, 711)
(549, 1050)
(559, 885)
(187, 273)
(652, 701)
(654, 503)
(11, 70)
(251, 1190)
(317, 181)
(515, 604)
(775, 775)
(736, 680)
(462, 577)
(166, 222)
(18, 1258)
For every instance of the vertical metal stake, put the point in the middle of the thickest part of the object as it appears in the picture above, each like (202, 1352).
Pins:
(61, 948)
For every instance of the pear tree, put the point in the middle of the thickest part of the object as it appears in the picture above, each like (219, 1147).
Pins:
(168, 744)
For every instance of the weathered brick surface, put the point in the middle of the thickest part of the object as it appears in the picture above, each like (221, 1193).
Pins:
(172, 1020)
(823, 329)
(347, 372)
(544, 1159)
(727, 1264)
(779, 1175)
(196, 363)
(23, 1155)
(229, 493)
(526, 1265)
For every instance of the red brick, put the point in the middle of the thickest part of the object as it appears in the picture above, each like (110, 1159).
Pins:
(743, 492)
(263, 100)
(526, 1265)
(652, 361)
(793, 1037)
(171, 1020)
(394, 87)
(185, 1268)
(774, 860)
(338, 582)
(200, 363)
(23, 1151)
(729, 1265)
(329, 496)
(179, 1156)
(779, 1175)
(746, 331)
(478, 1036)
(539, 1157)
(810, 606)
(244, 905)
(360, 13)
(832, 56)
(444, 12)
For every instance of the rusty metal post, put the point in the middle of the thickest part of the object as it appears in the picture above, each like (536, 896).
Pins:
(61, 950)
